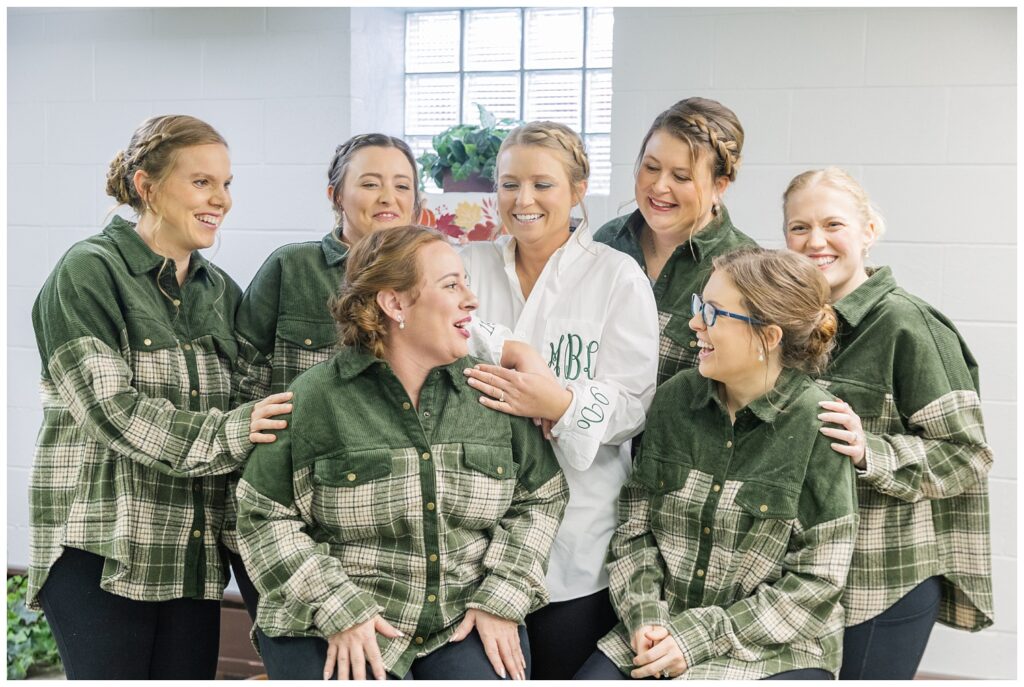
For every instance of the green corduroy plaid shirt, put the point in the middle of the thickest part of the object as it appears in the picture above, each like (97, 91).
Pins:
(283, 323)
(367, 505)
(131, 458)
(735, 537)
(685, 273)
(905, 370)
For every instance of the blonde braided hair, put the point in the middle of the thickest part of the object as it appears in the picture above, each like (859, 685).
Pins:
(559, 138)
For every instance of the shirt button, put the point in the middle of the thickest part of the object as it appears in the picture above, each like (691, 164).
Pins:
(198, 486)
(501, 470)
(426, 456)
(351, 477)
(176, 302)
(700, 573)
(147, 342)
(426, 413)
(406, 405)
(308, 342)
(187, 347)
(431, 598)
(433, 558)
(715, 487)
(419, 640)
(692, 344)
(195, 393)
(763, 508)
(661, 483)
(430, 506)
(728, 444)
(197, 533)
(707, 530)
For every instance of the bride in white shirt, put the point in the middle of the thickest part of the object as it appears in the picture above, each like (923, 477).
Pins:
(588, 310)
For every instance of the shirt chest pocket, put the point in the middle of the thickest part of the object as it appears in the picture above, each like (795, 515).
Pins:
(875, 407)
(158, 369)
(310, 336)
(357, 496)
(572, 348)
(674, 511)
(478, 492)
(755, 531)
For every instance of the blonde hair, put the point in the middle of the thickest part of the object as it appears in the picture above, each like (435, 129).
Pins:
(559, 138)
(707, 127)
(154, 148)
(840, 180)
(343, 154)
(785, 289)
(381, 260)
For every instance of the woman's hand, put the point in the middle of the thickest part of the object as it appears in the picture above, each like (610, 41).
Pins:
(350, 650)
(500, 638)
(527, 394)
(259, 421)
(842, 414)
(658, 654)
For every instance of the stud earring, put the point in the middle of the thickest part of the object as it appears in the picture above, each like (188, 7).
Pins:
(760, 355)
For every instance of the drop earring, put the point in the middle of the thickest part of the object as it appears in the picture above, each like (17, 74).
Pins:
(401, 322)
(760, 355)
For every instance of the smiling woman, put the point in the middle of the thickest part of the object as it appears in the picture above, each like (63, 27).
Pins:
(399, 527)
(132, 463)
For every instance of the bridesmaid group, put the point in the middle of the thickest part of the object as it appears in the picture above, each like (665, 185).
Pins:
(647, 450)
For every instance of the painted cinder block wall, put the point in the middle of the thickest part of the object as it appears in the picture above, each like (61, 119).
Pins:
(920, 104)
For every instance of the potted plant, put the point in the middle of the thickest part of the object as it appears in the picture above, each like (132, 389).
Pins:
(31, 649)
(464, 155)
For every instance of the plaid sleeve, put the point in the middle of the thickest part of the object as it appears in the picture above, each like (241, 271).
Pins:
(304, 589)
(943, 454)
(798, 605)
(94, 382)
(516, 559)
(636, 571)
(251, 376)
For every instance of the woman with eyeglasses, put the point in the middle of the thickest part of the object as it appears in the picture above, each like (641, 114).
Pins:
(735, 530)
(910, 422)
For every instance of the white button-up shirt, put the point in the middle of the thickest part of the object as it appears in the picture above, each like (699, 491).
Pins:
(592, 315)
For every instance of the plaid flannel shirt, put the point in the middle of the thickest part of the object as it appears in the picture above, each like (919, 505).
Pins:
(131, 458)
(905, 370)
(367, 505)
(735, 537)
(284, 327)
(685, 273)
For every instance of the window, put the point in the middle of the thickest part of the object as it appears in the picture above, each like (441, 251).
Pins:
(532, 63)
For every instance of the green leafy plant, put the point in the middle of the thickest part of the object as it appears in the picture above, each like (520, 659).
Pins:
(30, 644)
(466, 149)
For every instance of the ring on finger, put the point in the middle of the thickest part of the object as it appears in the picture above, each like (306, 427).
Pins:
(665, 673)
(501, 399)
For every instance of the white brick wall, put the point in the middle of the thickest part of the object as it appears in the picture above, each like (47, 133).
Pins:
(920, 104)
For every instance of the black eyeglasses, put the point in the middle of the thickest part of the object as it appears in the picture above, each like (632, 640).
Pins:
(710, 313)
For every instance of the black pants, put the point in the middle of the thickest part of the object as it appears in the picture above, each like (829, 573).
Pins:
(250, 596)
(302, 658)
(600, 667)
(890, 645)
(103, 636)
(564, 634)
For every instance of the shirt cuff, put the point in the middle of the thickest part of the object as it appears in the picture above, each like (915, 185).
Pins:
(502, 598)
(695, 642)
(236, 432)
(646, 613)
(878, 464)
(564, 423)
(347, 607)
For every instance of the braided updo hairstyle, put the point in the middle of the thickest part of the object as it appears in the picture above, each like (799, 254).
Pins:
(786, 289)
(154, 148)
(709, 129)
(560, 139)
(381, 260)
(343, 154)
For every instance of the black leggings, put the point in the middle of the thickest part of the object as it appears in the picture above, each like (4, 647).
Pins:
(890, 645)
(250, 596)
(600, 667)
(103, 636)
(564, 634)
